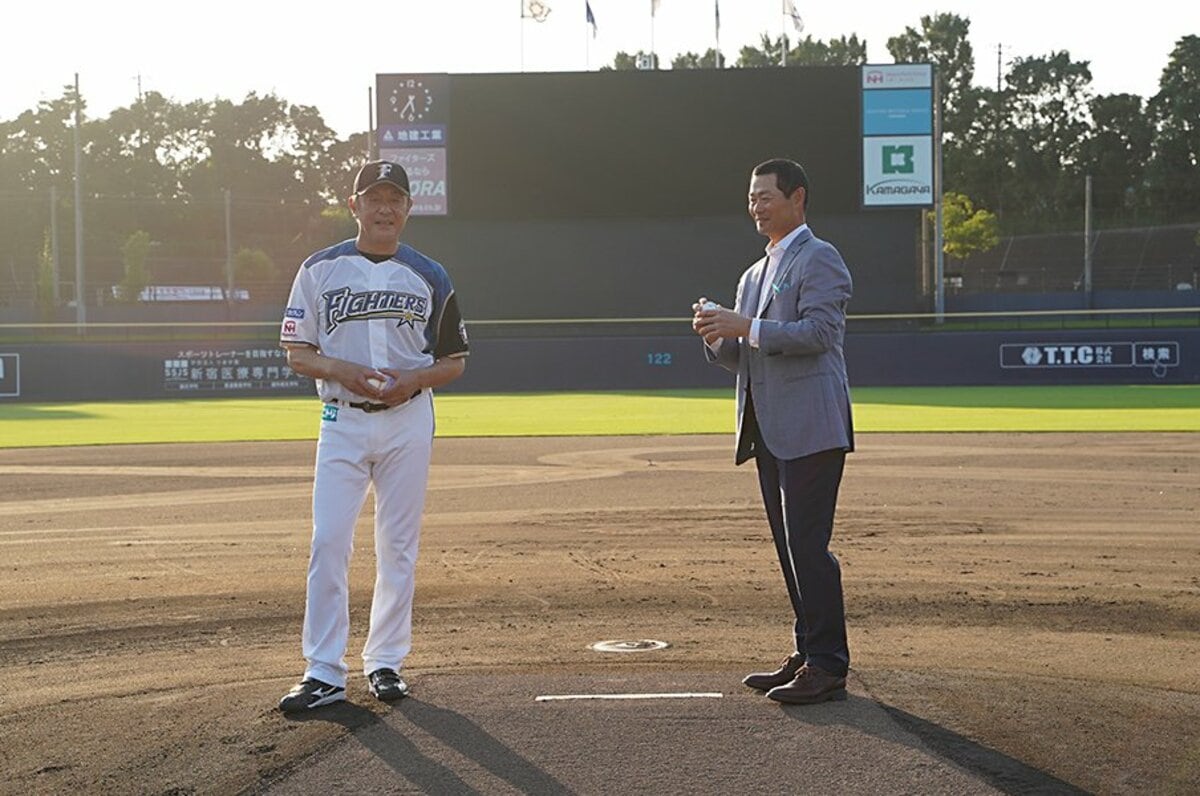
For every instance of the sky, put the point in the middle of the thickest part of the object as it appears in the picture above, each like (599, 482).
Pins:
(327, 55)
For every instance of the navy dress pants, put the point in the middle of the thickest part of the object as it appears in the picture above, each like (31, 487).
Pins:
(800, 496)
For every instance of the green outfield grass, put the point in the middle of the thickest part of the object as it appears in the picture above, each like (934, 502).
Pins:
(1101, 408)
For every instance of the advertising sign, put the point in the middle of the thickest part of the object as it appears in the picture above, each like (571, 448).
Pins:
(10, 375)
(231, 369)
(897, 128)
(897, 171)
(426, 176)
(1158, 356)
(413, 113)
(902, 112)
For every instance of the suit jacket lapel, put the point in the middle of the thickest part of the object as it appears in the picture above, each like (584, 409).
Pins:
(754, 288)
(783, 274)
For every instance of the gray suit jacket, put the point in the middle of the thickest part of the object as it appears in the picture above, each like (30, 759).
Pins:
(797, 375)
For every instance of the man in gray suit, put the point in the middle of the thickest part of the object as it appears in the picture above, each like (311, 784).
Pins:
(783, 339)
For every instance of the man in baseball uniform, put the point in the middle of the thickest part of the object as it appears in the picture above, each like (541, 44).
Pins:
(377, 324)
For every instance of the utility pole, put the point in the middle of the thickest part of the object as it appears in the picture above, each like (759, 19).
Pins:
(996, 131)
(54, 243)
(228, 250)
(926, 282)
(939, 264)
(372, 144)
(1087, 242)
(80, 292)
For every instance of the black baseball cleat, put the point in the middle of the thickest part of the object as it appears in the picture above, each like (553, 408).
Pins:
(309, 694)
(387, 685)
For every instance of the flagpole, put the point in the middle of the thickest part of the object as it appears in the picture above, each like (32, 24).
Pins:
(783, 32)
(587, 40)
(522, 23)
(717, 13)
(653, 56)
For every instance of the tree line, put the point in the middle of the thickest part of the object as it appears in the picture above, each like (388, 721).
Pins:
(165, 166)
(1017, 153)
(1022, 150)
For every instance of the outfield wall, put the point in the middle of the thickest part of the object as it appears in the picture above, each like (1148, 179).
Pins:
(129, 371)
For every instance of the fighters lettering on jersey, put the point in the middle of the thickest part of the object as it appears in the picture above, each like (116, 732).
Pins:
(342, 305)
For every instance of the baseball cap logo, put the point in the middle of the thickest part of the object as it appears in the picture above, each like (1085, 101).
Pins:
(379, 171)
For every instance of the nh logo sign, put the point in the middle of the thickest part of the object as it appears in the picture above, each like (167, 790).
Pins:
(898, 159)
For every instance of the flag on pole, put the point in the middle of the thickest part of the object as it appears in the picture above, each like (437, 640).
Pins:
(654, 7)
(537, 10)
(789, 8)
(591, 18)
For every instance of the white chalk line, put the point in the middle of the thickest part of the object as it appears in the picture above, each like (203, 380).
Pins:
(675, 695)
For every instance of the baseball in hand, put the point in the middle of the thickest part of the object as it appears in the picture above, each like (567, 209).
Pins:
(710, 305)
(380, 385)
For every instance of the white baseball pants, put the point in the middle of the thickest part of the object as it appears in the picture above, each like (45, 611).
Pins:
(390, 449)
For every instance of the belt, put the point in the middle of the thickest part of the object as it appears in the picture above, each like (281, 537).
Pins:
(368, 406)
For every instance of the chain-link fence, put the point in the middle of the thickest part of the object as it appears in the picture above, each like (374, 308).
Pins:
(1165, 258)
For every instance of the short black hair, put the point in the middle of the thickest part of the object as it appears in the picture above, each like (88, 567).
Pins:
(789, 175)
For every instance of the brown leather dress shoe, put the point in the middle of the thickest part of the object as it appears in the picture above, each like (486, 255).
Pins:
(812, 684)
(765, 681)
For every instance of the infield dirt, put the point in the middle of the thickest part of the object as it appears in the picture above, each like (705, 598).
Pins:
(1037, 595)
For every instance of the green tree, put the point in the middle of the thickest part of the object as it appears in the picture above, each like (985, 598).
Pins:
(134, 253)
(808, 52)
(943, 41)
(766, 54)
(253, 267)
(146, 149)
(710, 60)
(36, 152)
(1175, 109)
(966, 229)
(137, 161)
(38, 144)
(841, 51)
(333, 224)
(1045, 112)
(162, 166)
(624, 62)
(1116, 153)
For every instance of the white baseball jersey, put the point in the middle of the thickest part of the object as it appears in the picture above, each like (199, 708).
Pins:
(400, 312)
(394, 312)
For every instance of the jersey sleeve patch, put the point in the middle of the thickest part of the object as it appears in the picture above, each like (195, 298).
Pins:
(452, 331)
